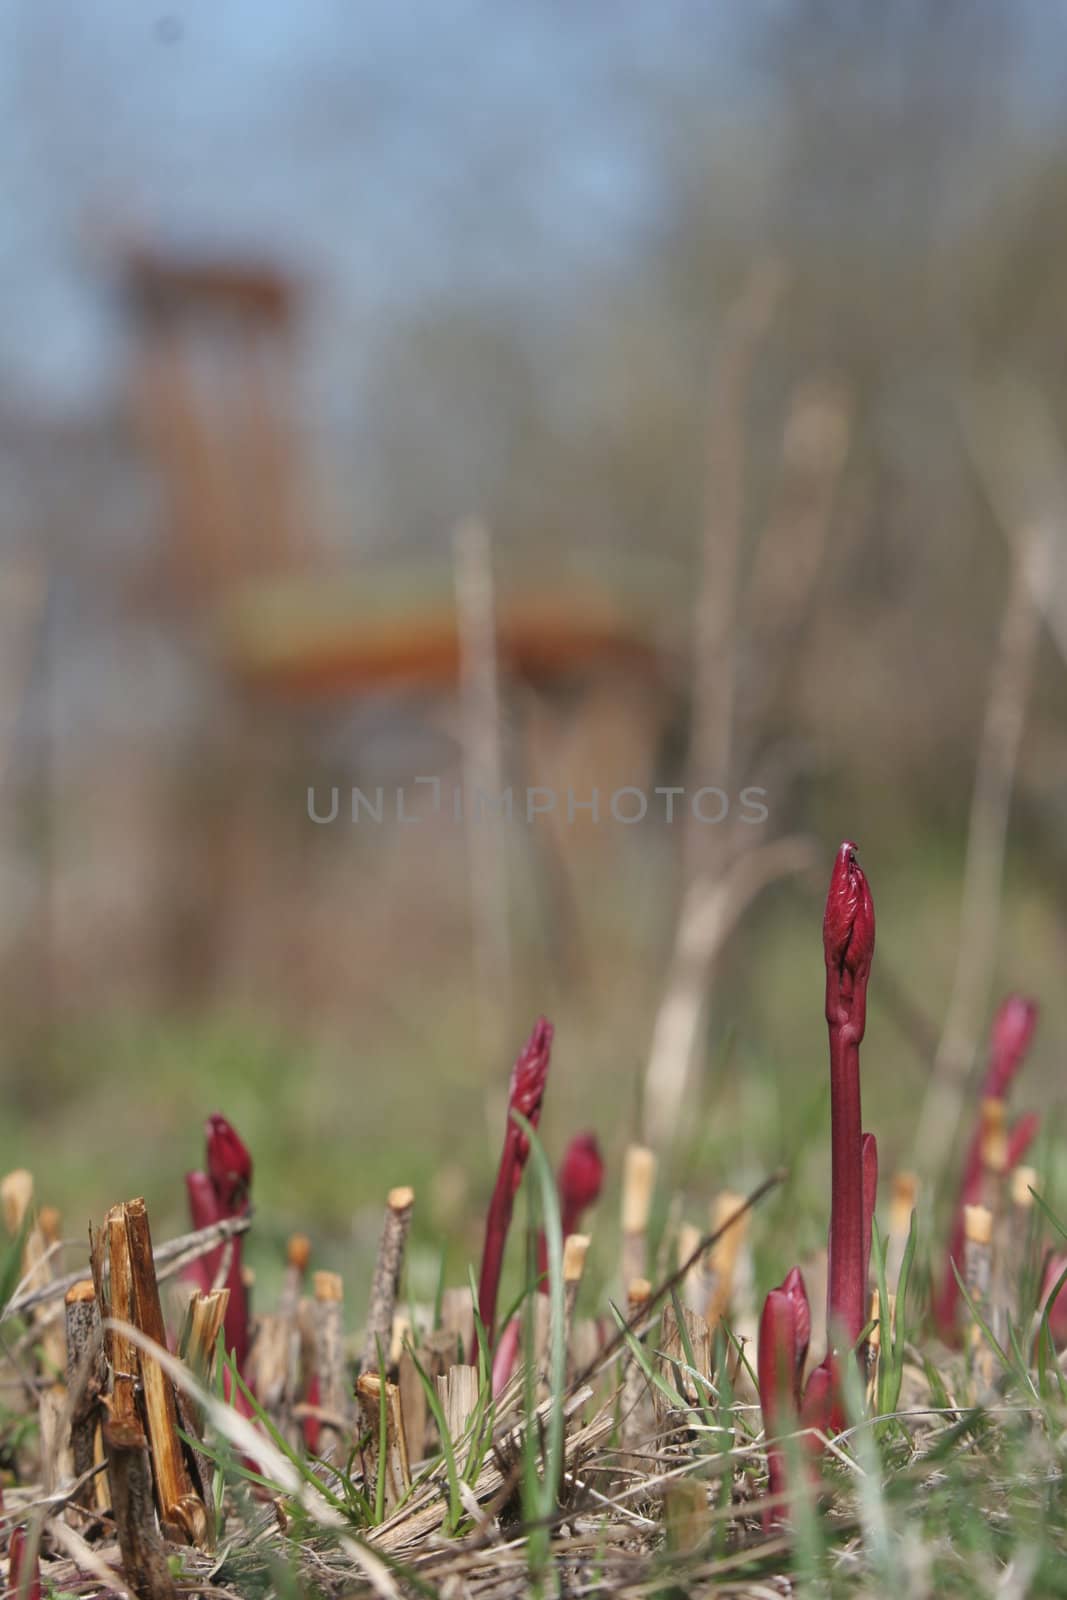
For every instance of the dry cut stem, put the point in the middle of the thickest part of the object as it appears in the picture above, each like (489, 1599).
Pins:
(327, 1314)
(85, 1383)
(395, 1466)
(143, 1557)
(638, 1184)
(386, 1282)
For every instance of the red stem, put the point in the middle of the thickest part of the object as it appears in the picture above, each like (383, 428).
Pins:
(21, 1581)
(203, 1211)
(846, 1288)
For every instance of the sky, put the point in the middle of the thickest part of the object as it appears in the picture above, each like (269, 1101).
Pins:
(391, 154)
(383, 151)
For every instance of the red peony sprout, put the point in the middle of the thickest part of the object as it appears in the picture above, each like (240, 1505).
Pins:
(229, 1166)
(848, 944)
(220, 1192)
(527, 1090)
(1009, 1040)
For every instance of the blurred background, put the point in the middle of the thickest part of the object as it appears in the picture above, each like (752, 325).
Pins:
(520, 396)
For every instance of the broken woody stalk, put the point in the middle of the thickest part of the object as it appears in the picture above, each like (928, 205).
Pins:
(527, 1090)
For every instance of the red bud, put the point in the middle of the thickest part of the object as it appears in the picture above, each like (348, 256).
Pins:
(229, 1165)
(848, 942)
(581, 1176)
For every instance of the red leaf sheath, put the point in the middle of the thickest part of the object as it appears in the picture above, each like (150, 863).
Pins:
(784, 1332)
(528, 1081)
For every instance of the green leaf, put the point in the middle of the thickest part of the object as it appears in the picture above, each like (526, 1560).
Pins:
(640, 1355)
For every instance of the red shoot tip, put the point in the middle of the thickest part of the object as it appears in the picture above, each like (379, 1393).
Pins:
(528, 1078)
(229, 1164)
(784, 1333)
(530, 1072)
(1009, 1041)
(794, 1287)
(848, 941)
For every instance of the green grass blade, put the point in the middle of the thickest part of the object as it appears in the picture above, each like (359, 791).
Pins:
(557, 1359)
(455, 1500)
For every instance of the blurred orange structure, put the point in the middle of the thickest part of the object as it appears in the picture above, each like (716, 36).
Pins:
(214, 357)
(214, 363)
